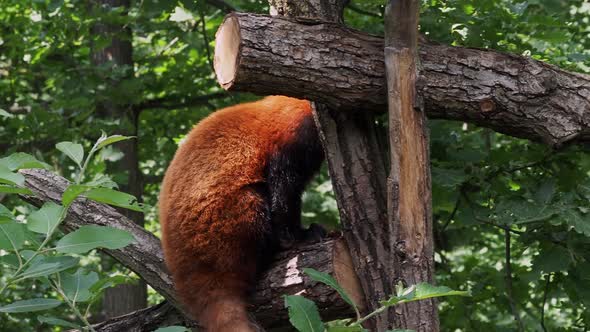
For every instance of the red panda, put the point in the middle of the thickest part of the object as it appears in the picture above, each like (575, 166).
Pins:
(230, 198)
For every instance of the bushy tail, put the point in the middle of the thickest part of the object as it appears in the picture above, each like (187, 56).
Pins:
(216, 301)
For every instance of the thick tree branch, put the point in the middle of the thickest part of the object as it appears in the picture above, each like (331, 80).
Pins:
(344, 69)
(149, 319)
(145, 258)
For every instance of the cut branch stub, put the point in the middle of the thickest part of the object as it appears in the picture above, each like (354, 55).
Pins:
(344, 69)
(227, 51)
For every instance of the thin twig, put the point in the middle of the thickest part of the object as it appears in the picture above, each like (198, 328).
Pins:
(547, 281)
(448, 221)
(502, 227)
(543, 160)
(509, 289)
(206, 39)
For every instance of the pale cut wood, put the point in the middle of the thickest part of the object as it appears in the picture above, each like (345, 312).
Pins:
(344, 69)
(408, 185)
(144, 257)
(227, 47)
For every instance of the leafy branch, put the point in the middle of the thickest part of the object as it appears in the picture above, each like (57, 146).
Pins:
(305, 317)
(50, 265)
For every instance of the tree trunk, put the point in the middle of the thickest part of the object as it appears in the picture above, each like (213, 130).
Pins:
(344, 69)
(145, 257)
(409, 191)
(121, 299)
(356, 169)
(358, 175)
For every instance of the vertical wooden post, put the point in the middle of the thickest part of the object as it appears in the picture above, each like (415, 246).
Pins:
(408, 185)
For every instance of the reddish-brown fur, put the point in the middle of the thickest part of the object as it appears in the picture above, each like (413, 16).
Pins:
(209, 208)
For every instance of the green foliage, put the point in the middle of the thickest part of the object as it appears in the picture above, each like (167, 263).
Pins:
(30, 305)
(91, 237)
(328, 280)
(31, 258)
(303, 314)
(305, 317)
(45, 219)
(72, 150)
(172, 329)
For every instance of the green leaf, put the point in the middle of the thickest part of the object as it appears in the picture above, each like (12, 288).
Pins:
(303, 314)
(344, 325)
(15, 190)
(553, 258)
(422, 291)
(12, 235)
(5, 114)
(546, 190)
(77, 286)
(45, 219)
(104, 140)
(22, 160)
(9, 260)
(328, 280)
(577, 221)
(45, 266)
(172, 329)
(72, 192)
(56, 322)
(30, 305)
(101, 180)
(9, 177)
(73, 150)
(354, 328)
(114, 197)
(451, 178)
(108, 282)
(5, 215)
(91, 237)
(181, 15)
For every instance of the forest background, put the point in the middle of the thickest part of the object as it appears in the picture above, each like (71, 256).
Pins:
(55, 86)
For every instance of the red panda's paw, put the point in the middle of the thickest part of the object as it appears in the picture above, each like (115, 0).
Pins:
(286, 238)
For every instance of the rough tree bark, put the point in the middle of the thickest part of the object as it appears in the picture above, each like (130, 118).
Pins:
(357, 170)
(344, 69)
(408, 185)
(145, 258)
(123, 298)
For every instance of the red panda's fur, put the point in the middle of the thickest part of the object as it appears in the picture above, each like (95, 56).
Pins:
(214, 218)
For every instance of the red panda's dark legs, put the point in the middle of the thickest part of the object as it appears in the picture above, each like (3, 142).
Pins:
(288, 172)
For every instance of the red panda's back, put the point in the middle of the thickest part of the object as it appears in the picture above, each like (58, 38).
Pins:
(228, 150)
(214, 207)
